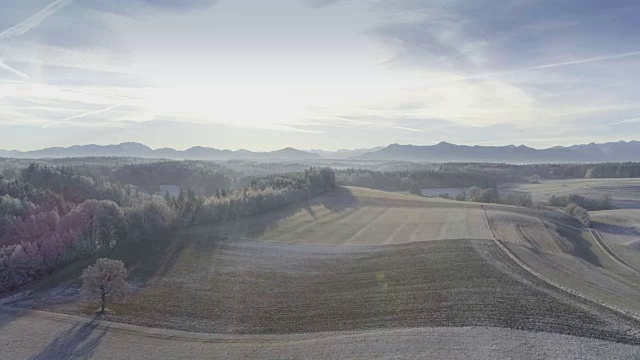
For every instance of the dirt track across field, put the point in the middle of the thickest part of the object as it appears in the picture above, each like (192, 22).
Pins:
(61, 337)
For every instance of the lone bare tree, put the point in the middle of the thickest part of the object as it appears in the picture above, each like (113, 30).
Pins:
(106, 280)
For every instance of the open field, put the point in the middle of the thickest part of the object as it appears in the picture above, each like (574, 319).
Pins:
(362, 217)
(235, 286)
(620, 229)
(394, 271)
(61, 337)
(211, 281)
(625, 192)
(569, 257)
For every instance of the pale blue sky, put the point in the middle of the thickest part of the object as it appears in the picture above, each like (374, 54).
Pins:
(324, 74)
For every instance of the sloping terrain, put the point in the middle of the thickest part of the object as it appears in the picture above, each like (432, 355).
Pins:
(222, 279)
(620, 229)
(237, 286)
(61, 337)
(356, 216)
(570, 257)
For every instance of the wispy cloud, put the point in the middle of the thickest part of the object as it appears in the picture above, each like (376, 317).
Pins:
(406, 128)
(585, 61)
(589, 60)
(34, 20)
(626, 121)
(287, 128)
(89, 113)
(15, 71)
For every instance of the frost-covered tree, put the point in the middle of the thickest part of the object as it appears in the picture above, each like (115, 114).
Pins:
(263, 194)
(5, 272)
(19, 266)
(579, 213)
(105, 280)
(99, 224)
(149, 220)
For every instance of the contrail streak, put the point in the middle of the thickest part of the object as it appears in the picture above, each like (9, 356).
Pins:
(90, 113)
(34, 20)
(626, 121)
(584, 61)
(406, 128)
(551, 65)
(14, 71)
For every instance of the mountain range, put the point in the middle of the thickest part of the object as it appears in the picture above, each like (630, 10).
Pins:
(132, 149)
(620, 151)
(344, 153)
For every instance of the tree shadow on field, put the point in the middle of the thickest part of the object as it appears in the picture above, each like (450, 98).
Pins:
(152, 260)
(147, 260)
(616, 229)
(580, 246)
(79, 342)
(626, 203)
(338, 200)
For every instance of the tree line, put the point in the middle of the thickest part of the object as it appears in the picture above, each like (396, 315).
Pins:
(46, 222)
(483, 175)
(415, 179)
(203, 178)
(602, 203)
(492, 195)
(261, 195)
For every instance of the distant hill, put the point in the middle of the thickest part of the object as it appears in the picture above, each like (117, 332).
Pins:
(132, 149)
(444, 152)
(343, 153)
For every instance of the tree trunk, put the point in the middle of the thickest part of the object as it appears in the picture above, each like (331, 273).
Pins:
(104, 300)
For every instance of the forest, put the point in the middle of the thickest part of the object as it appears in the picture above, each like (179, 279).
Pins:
(417, 179)
(52, 216)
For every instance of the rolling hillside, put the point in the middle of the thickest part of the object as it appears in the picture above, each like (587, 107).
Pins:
(358, 259)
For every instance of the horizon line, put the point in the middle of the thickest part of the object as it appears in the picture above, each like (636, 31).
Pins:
(306, 150)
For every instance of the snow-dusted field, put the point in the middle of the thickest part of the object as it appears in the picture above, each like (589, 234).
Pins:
(363, 217)
(354, 274)
(620, 229)
(40, 336)
(569, 257)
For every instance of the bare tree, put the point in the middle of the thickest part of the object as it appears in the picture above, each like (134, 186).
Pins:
(106, 280)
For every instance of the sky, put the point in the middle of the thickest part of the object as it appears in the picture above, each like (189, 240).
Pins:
(318, 74)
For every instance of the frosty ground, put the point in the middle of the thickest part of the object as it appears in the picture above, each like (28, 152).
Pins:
(361, 270)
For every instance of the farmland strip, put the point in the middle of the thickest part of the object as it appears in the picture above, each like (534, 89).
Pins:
(364, 228)
(612, 254)
(524, 266)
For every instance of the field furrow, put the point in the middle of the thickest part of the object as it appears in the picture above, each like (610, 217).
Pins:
(368, 263)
